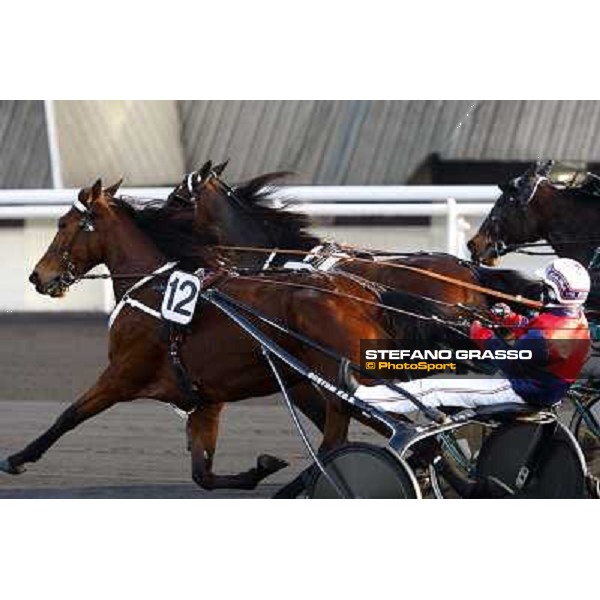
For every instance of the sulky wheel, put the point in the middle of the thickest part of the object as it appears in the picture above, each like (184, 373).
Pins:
(363, 470)
(560, 470)
(586, 427)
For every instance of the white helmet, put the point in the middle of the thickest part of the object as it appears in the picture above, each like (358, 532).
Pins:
(568, 279)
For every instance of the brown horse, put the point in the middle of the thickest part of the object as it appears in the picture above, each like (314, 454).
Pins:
(244, 217)
(224, 364)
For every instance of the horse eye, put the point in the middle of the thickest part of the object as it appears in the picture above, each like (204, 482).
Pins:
(62, 224)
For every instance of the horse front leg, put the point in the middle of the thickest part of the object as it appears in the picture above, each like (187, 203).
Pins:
(96, 400)
(337, 424)
(202, 431)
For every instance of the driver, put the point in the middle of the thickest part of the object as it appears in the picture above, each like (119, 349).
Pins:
(558, 337)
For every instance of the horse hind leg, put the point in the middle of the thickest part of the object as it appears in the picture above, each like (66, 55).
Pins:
(312, 403)
(202, 431)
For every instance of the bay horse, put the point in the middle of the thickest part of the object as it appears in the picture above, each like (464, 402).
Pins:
(224, 364)
(532, 208)
(245, 217)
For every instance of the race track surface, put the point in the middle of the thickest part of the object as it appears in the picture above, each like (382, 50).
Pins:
(135, 450)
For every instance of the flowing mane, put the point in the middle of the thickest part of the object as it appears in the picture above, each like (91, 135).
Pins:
(287, 229)
(170, 225)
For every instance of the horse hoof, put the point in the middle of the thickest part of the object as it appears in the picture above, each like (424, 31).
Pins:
(270, 464)
(6, 467)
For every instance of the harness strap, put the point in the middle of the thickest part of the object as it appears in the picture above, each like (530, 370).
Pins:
(141, 306)
(190, 183)
(269, 260)
(535, 187)
(176, 338)
(294, 265)
(126, 300)
(328, 263)
(79, 206)
(312, 253)
(431, 274)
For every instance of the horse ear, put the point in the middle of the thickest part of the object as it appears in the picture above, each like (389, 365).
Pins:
(204, 170)
(220, 168)
(543, 167)
(114, 188)
(96, 191)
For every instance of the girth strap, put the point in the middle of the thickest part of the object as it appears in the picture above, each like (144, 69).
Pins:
(176, 338)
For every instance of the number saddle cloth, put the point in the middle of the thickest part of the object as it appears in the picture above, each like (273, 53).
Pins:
(179, 299)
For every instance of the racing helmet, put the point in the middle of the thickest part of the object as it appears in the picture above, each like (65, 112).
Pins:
(568, 279)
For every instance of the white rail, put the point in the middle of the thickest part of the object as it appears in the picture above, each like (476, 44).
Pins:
(299, 193)
(453, 202)
(449, 203)
(389, 193)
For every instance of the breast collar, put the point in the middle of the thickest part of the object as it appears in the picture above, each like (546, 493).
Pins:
(126, 299)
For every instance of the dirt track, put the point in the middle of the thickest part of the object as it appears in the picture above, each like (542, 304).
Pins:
(134, 450)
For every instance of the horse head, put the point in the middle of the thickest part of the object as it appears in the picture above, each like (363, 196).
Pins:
(244, 214)
(516, 217)
(78, 246)
(229, 208)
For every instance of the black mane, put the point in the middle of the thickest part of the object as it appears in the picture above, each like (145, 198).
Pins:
(170, 225)
(287, 229)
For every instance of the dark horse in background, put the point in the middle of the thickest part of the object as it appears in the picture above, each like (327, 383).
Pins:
(532, 208)
(224, 363)
(246, 217)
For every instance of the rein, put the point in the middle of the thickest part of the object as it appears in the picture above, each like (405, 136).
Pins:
(444, 322)
(145, 277)
(431, 274)
(230, 192)
(116, 276)
(506, 248)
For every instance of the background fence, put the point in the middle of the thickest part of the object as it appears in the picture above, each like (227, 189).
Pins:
(28, 223)
(354, 160)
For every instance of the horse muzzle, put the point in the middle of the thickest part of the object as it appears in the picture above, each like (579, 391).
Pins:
(485, 251)
(56, 287)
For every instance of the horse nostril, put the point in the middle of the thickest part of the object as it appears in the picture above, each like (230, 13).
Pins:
(34, 278)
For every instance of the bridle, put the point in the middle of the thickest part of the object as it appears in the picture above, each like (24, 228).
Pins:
(499, 247)
(190, 187)
(86, 223)
(229, 191)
